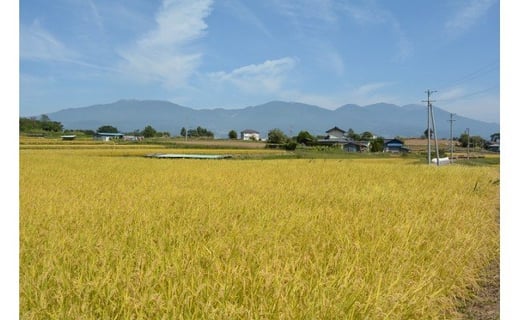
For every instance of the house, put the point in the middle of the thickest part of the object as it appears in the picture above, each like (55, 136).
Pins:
(249, 134)
(335, 133)
(105, 136)
(394, 145)
(68, 137)
(334, 137)
(357, 146)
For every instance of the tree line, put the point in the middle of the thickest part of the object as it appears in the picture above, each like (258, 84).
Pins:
(42, 124)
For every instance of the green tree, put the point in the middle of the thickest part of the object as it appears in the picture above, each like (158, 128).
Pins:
(232, 134)
(183, 132)
(377, 144)
(149, 132)
(33, 124)
(107, 129)
(425, 134)
(352, 135)
(367, 135)
(305, 137)
(477, 141)
(464, 139)
(276, 136)
(200, 132)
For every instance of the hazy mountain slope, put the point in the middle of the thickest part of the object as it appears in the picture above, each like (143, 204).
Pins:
(382, 119)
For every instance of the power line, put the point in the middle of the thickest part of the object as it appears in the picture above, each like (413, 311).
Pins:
(470, 94)
(473, 75)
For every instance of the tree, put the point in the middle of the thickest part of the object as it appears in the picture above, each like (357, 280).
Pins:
(352, 135)
(367, 135)
(149, 132)
(425, 133)
(477, 141)
(183, 132)
(305, 137)
(44, 118)
(377, 145)
(464, 139)
(200, 132)
(107, 129)
(232, 134)
(276, 136)
(33, 124)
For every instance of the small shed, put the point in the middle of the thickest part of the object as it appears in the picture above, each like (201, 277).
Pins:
(68, 137)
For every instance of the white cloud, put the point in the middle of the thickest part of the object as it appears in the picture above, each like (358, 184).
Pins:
(166, 53)
(467, 15)
(268, 76)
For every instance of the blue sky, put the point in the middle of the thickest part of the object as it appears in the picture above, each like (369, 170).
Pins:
(233, 54)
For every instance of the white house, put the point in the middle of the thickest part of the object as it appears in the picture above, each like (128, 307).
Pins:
(249, 134)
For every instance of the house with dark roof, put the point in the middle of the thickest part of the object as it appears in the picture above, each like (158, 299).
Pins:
(394, 145)
(335, 133)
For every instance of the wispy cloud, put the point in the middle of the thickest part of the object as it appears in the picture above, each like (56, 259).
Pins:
(467, 16)
(95, 14)
(310, 9)
(371, 13)
(268, 76)
(243, 13)
(36, 43)
(166, 54)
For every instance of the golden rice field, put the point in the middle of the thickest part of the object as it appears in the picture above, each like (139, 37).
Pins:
(108, 234)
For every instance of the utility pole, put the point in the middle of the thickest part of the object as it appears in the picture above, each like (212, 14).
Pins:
(451, 136)
(467, 129)
(429, 112)
(435, 135)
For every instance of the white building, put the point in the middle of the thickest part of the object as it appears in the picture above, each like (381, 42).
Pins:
(249, 134)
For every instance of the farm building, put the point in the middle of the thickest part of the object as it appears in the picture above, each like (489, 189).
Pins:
(105, 136)
(249, 134)
(394, 145)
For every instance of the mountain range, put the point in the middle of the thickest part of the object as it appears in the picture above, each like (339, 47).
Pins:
(382, 119)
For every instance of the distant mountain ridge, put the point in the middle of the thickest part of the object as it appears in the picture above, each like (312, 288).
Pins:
(382, 119)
